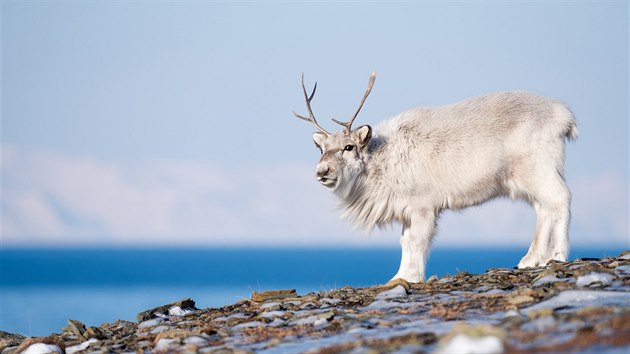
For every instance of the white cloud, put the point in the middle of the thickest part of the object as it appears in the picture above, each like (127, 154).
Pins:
(62, 199)
(50, 198)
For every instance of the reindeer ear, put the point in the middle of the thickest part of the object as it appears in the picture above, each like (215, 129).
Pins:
(362, 135)
(319, 139)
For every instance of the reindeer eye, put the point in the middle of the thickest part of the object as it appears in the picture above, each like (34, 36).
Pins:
(349, 147)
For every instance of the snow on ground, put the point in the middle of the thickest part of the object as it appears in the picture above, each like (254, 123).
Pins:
(464, 344)
(577, 299)
(41, 348)
(596, 278)
(79, 347)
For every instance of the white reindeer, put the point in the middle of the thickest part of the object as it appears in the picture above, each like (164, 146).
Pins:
(425, 160)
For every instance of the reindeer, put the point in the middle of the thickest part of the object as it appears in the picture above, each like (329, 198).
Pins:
(411, 167)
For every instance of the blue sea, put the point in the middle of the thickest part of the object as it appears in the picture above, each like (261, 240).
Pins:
(40, 289)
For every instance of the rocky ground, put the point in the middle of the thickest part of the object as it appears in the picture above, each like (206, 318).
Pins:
(580, 306)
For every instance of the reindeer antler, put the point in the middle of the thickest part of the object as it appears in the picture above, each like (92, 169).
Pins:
(311, 117)
(348, 124)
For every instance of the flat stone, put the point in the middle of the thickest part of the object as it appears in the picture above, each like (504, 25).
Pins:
(96, 333)
(520, 299)
(78, 329)
(273, 295)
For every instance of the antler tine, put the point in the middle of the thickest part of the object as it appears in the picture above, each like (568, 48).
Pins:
(348, 124)
(308, 99)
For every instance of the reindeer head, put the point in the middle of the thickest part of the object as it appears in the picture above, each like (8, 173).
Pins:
(343, 152)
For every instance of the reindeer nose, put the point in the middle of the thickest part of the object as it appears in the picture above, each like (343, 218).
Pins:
(322, 171)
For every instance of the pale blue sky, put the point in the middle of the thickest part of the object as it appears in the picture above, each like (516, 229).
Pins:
(131, 122)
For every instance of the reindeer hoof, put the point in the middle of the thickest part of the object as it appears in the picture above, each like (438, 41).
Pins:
(396, 282)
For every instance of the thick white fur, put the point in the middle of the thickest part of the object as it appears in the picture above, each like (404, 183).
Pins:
(414, 165)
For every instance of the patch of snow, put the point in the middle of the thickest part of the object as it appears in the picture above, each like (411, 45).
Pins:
(593, 278)
(330, 301)
(464, 344)
(160, 329)
(626, 256)
(178, 311)
(272, 314)
(559, 337)
(619, 285)
(143, 343)
(438, 327)
(386, 304)
(625, 269)
(440, 296)
(276, 322)
(238, 316)
(381, 305)
(576, 299)
(247, 325)
(459, 292)
(213, 349)
(393, 293)
(41, 348)
(267, 305)
(308, 345)
(320, 322)
(151, 323)
(164, 344)
(307, 320)
(511, 313)
(195, 340)
(355, 332)
(606, 349)
(357, 328)
(327, 302)
(540, 324)
(83, 346)
(486, 290)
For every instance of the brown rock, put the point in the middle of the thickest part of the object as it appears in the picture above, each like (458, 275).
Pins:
(96, 333)
(77, 328)
(520, 299)
(10, 340)
(274, 295)
(592, 267)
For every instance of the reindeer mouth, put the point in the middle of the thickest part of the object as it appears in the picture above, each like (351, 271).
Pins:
(327, 181)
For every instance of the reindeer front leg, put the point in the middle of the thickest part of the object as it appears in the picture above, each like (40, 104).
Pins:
(415, 241)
